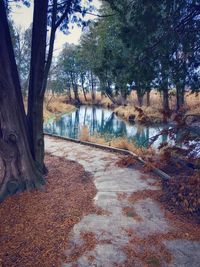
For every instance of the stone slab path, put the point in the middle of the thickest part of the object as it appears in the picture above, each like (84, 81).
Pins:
(110, 229)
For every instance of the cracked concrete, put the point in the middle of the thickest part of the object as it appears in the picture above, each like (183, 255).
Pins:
(110, 229)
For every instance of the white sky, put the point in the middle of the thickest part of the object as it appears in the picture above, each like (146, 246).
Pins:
(23, 17)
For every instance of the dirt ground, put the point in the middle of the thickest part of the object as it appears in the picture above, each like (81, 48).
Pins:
(34, 226)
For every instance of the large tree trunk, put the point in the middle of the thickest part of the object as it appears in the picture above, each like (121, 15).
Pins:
(36, 83)
(20, 171)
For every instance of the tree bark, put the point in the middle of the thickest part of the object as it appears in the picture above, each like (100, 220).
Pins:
(148, 98)
(69, 92)
(165, 99)
(92, 87)
(75, 89)
(20, 171)
(83, 88)
(179, 97)
(140, 99)
(36, 82)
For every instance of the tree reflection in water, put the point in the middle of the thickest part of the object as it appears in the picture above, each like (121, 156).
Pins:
(105, 123)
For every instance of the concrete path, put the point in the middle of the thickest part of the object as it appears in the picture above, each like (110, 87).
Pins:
(110, 229)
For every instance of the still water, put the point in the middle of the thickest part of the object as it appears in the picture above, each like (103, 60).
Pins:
(104, 123)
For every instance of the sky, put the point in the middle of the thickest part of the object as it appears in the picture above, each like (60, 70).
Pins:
(22, 16)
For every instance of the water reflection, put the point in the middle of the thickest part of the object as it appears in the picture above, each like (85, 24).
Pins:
(103, 122)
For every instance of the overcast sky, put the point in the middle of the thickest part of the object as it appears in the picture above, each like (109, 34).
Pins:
(23, 17)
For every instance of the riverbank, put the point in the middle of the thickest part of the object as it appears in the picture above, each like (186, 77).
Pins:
(56, 106)
(130, 111)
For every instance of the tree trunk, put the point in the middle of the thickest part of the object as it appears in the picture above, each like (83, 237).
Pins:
(69, 92)
(92, 87)
(179, 97)
(36, 83)
(140, 99)
(123, 93)
(76, 96)
(148, 98)
(165, 99)
(75, 88)
(20, 171)
(83, 88)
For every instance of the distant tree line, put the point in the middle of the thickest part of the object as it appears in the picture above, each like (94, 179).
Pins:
(136, 45)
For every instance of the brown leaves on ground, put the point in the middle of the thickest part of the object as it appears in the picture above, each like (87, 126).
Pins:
(183, 193)
(151, 250)
(35, 225)
(184, 227)
(89, 243)
(128, 161)
(141, 249)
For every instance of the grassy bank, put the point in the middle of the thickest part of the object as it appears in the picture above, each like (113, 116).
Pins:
(147, 114)
(122, 143)
(154, 113)
(56, 105)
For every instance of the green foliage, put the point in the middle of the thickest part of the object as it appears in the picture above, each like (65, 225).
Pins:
(141, 45)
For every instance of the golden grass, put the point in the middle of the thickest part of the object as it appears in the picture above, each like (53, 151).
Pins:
(193, 103)
(129, 113)
(99, 100)
(56, 105)
(121, 143)
(84, 134)
(153, 113)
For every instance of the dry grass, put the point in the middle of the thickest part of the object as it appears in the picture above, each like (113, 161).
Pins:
(121, 143)
(84, 134)
(56, 105)
(99, 100)
(193, 103)
(153, 113)
(129, 113)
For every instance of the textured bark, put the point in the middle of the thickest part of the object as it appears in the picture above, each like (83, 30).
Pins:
(148, 98)
(36, 83)
(20, 171)
(179, 97)
(165, 100)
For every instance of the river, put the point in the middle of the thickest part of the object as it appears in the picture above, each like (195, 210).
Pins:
(105, 123)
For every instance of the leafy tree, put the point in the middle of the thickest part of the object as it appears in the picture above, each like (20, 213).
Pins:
(146, 25)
